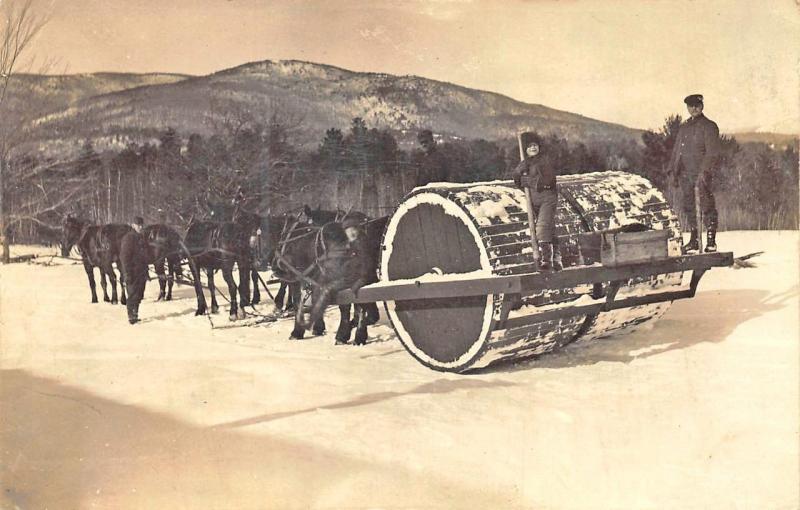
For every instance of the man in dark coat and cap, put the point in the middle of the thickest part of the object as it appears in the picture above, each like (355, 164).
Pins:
(693, 164)
(133, 257)
(432, 165)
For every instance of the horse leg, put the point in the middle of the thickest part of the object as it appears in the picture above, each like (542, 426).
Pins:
(291, 302)
(112, 276)
(90, 275)
(318, 327)
(212, 289)
(171, 271)
(361, 331)
(343, 333)
(178, 268)
(104, 285)
(158, 265)
(198, 289)
(122, 283)
(244, 285)
(322, 297)
(256, 292)
(227, 274)
(299, 324)
(354, 320)
(279, 297)
(373, 315)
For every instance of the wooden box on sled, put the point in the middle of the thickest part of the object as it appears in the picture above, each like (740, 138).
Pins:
(616, 248)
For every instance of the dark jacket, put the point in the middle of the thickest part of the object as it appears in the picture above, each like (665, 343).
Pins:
(432, 167)
(697, 148)
(540, 171)
(359, 266)
(133, 256)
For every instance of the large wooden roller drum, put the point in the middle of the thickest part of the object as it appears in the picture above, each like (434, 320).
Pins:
(480, 230)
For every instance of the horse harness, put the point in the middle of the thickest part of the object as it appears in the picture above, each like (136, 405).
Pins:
(321, 252)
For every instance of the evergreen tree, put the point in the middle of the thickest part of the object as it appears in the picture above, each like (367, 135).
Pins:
(331, 152)
(658, 150)
(88, 160)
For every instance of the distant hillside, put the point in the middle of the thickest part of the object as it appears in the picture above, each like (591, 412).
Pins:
(778, 140)
(59, 92)
(316, 96)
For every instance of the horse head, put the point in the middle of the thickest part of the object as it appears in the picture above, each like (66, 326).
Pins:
(332, 240)
(294, 251)
(251, 222)
(71, 231)
(156, 236)
(319, 216)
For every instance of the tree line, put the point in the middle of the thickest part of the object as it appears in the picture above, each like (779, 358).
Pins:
(176, 177)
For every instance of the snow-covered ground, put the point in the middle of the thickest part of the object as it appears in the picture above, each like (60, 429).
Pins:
(700, 411)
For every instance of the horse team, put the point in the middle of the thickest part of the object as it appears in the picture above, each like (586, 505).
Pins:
(317, 250)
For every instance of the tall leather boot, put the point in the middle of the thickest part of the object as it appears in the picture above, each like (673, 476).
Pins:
(711, 240)
(545, 256)
(692, 245)
(557, 264)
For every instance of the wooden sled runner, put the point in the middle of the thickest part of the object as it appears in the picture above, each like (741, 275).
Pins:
(460, 284)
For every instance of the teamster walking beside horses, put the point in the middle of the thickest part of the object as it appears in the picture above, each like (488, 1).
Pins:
(134, 259)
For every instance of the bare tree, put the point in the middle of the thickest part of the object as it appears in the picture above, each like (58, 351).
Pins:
(19, 25)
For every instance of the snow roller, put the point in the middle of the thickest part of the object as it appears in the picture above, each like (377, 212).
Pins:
(460, 281)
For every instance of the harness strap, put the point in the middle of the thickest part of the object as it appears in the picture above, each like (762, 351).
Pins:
(301, 276)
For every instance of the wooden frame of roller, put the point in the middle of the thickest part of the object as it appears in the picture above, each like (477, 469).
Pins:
(459, 280)
(534, 282)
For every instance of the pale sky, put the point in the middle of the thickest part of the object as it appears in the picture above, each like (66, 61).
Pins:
(624, 61)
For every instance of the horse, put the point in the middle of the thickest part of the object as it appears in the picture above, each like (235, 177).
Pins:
(216, 245)
(99, 247)
(264, 245)
(164, 244)
(348, 264)
(294, 263)
(265, 232)
(308, 217)
(300, 250)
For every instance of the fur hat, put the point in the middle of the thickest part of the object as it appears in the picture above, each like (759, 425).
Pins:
(530, 137)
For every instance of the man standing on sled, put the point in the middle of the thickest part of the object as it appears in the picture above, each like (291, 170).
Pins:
(692, 165)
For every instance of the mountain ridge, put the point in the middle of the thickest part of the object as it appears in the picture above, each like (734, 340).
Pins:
(317, 96)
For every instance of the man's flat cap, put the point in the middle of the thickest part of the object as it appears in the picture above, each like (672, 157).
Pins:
(138, 220)
(694, 100)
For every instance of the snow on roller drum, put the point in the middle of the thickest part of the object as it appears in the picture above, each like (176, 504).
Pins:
(459, 279)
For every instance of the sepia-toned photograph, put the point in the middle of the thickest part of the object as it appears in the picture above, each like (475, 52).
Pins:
(431, 254)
